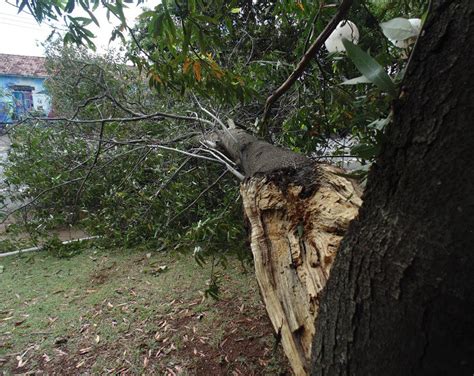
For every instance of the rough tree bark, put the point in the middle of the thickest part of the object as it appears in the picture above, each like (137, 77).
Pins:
(401, 294)
(297, 213)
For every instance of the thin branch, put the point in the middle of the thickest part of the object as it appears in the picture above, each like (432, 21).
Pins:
(87, 160)
(115, 157)
(138, 44)
(214, 151)
(157, 146)
(219, 121)
(34, 199)
(199, 156)
(197, 198)
(119, 105)
(313, 25)
(166, 183)
(140, 160)
(146, 141)
(86, 102)
(156, 115)
(96, 158)
(305, 61)
(225, 161)
(231, 169)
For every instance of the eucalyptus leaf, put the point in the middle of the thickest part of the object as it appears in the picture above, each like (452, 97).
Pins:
(369, 67)
(398, 29)
(357, 80)
(70, 6)
(379, 124)
(365, 151)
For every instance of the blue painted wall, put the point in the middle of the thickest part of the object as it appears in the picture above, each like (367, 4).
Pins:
(20, 95)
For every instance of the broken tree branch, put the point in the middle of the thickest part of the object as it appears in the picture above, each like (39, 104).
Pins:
(304, 62)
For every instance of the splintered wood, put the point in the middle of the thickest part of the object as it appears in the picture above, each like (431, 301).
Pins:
(294, 242)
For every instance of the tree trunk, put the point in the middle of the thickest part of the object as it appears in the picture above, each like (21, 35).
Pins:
(401, 294)
(400, 297)
(297, 211)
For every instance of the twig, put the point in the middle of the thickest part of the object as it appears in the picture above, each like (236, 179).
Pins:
(197, 198)
(167, 182)
(33, 200)
(219, 121)
(134, 168)
(156, 115)
(96, 158)
(223, 159)
(214, 151)
(157, 146)
(145, 141)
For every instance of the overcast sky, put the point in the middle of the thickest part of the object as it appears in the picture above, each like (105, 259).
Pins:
(20, 34)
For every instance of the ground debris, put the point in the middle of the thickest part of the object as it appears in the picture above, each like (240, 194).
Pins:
(124, 324)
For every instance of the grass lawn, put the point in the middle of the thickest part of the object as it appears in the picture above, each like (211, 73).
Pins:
(124, 312)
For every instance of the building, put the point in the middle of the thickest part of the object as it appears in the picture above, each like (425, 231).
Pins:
(22, 89)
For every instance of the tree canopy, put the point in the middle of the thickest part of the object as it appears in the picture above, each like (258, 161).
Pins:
(126, 153)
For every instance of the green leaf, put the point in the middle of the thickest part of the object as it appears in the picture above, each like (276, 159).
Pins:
(171, 29)
(356, 80)
(88, 33)
(202, 41)
(155, 26)
(70, 6)
(93, 18)
(398, 29)
(369, 67)
(235, 10)
(22, 5)
(379, 124)
(365, 151)
(68, 38)
(186, 39)
(85, 21)
(147, 14)
(204, 18)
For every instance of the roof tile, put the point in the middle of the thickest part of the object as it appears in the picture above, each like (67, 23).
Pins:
(18, 65)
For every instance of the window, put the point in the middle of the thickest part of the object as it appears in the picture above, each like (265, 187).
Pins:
(22, 100)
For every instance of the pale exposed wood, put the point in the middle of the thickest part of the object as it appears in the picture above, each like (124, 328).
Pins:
(294, 241)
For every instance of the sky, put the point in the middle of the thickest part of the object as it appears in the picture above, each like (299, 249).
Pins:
(20, 34)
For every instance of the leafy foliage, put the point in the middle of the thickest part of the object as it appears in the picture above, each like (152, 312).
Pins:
(116, 176)
(129, 190)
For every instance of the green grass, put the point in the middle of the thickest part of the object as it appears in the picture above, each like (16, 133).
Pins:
(103, 311)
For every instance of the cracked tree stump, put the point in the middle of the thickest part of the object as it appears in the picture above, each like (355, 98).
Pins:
(294, 238)
(298, 211)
